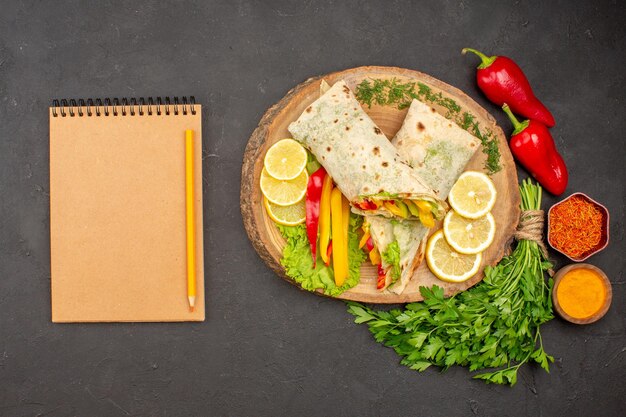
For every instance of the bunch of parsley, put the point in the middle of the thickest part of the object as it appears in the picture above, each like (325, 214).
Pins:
(494, 326)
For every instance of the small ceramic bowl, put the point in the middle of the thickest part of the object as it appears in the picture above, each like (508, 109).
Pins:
(607, 301)
(604, 239)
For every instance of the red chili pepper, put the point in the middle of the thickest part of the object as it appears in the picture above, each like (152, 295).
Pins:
(503, 81)
(313, 197)
(533, 147)
(382, 278)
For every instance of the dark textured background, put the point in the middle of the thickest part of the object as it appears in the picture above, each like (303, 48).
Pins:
(266, 348)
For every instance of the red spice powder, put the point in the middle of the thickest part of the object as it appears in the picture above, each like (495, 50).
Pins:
(575, 226)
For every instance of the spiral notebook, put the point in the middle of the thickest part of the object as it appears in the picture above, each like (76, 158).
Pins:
(117, 210)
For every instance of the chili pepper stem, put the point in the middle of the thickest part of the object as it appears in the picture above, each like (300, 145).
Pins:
(517, 125)
(486, 60)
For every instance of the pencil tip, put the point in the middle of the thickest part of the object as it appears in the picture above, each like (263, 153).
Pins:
(192, 302)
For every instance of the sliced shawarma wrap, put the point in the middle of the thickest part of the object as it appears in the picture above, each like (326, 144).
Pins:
(400, 245)
(439, 150)
(362, 162)
(436, 147)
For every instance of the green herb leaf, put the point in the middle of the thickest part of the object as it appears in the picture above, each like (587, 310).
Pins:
(419, 365)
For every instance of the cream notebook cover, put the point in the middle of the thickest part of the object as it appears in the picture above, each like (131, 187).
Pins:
(117, 211)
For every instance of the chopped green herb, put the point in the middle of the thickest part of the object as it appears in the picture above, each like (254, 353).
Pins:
(392, 92)
(488, 140)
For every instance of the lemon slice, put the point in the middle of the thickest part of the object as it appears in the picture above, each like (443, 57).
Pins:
(469, 236)
(447, 264)
(284, 193)
(473, 195)
(286, 215)
(285, 160)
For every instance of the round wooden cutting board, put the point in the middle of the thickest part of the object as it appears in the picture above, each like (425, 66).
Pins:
(266, 238)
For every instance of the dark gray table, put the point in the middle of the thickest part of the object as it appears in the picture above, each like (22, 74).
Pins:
(267, 349)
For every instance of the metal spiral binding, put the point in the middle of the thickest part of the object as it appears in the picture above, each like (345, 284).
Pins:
(123, 107)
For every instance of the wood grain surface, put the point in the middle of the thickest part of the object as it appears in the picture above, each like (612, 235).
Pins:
(266, 238)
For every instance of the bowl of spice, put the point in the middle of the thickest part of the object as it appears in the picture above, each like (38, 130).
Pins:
(578, 227)
(582, 293)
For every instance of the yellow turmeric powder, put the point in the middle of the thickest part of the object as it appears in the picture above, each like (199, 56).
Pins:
(581, 293)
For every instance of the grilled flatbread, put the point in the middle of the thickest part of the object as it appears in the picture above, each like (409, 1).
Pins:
(357, 155)
(438, 150)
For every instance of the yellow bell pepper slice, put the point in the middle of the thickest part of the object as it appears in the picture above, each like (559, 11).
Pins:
(324, 222)
(340, 266)
(425, 213)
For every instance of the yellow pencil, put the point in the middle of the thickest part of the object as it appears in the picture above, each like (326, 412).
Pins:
(191, 229)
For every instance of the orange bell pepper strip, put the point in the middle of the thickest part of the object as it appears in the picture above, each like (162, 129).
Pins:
(366, 234)
(340, 266)
(324, 222)
(375, 256)
(363, 240)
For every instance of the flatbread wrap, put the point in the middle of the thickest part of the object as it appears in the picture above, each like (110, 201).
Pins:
(436, 147)
(438, 150)
(361, 160)
(401, 249)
